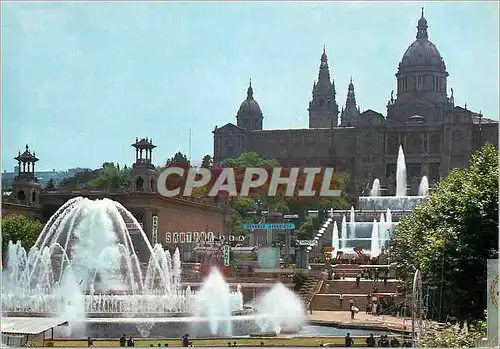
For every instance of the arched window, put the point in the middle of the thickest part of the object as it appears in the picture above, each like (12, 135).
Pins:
(139, 184)
(21, 195)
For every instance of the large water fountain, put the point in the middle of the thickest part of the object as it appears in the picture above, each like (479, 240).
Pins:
(372, 236)
(94, 266)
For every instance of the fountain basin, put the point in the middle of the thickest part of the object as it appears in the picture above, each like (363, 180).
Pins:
(394, 203)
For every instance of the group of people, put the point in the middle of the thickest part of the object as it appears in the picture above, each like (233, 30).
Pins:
(124, 342)
(383, 342)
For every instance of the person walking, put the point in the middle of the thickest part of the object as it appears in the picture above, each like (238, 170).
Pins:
(354, 310)
(349, 342)
(370, 341)
(341, 298)
(358, 279)
(131, 342)
(123, 340)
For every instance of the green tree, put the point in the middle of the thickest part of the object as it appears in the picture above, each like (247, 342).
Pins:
(110, 177)
(207, 161)
(451, 236)
(20, 228)
(251, 159)
(178, 159)
(50, 184)
(453, 336)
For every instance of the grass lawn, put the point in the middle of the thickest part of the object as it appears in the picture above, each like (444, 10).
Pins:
(216, 342)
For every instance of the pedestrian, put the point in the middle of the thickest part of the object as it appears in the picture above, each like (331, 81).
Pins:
(123, 340)
(354, 310)
(348, 340)
(185, 340)
(341, 300)
(368, 308)
(370, 341)
(358, 279)
(130, 342)
(385, 280)
(90, 342)
(394, 342)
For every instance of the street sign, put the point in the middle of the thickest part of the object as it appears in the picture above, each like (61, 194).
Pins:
(290, 216)
(307, 242)
(269, 226)
(226, 250)
(155, 229)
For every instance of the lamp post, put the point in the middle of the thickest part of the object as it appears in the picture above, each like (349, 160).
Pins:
(416, 313)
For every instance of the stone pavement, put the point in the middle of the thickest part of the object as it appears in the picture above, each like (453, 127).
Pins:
(361, 320)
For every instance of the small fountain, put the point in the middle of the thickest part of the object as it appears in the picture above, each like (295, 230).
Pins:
(375, 191)
(375, 240)
(401, 185)
(281, 309)
(423, 188)
(335, 237)
(214, 301)
(343, 232)
(352, 223)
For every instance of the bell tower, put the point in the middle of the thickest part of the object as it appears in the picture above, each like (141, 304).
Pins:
(323, 110)
(25, 187)
(143, 171)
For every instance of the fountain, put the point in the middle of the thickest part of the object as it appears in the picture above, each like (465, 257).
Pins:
(94, 266)
(375, 191)
(368, 234)
(375, 240)
(335, 237)
(280, 309)
(423, 188)
(401, 185)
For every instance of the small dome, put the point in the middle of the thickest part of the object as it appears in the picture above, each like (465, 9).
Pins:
(249, 106)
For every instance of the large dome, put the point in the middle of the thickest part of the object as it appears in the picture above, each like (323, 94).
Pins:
(422, 52)
(249, 106)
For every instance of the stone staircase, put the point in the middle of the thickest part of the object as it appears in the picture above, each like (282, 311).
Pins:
(365, 287)
(309, 288)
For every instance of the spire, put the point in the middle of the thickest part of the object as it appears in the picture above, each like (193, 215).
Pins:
(350, 114)
(324, 73)
(351, 86)
(324, 57)
(422, 27)
(250, 91)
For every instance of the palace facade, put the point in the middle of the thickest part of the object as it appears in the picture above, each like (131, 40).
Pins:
(436, 134)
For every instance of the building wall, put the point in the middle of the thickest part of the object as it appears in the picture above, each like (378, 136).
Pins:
(22, 210)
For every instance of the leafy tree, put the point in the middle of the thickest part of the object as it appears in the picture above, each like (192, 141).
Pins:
(306, 229)
(454, 336)
(451, 236)
(110, 177)
(50, 184)
(251, 159)
(207, 161)
(20, 228)
(79, 180)
(179, 159)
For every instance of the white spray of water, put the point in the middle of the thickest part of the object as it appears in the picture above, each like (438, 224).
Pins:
(375, 191)
(423, 188)
(280, 308)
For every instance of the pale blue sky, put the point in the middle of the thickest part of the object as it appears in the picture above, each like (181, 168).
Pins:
(82, 80)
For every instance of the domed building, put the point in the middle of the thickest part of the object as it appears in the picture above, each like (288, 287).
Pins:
(436, 134)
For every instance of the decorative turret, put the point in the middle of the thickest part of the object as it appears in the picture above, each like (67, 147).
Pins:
(25, 187)
(323, 109)
(349, 116)
(143, 171)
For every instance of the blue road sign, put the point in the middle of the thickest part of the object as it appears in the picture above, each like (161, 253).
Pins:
(269, 226)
